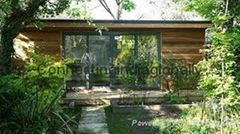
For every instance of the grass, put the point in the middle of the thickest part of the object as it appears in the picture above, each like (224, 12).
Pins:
(120, 121)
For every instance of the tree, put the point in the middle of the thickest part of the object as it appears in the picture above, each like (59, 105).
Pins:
(16, 15)
(220, 73)
(126, 5)
(82, 12)
(170, 10)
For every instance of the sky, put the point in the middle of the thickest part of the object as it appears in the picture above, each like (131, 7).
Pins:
(145, 10)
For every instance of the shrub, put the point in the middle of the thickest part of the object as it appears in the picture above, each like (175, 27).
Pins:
(167, 127)
(200, 129)
(30, 101)
(128, 79)
(173, 99)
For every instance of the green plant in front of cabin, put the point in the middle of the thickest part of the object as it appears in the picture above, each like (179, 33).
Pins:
(219, 74)
(199, 129)
(30, 101)
(128, 79)
(182, 76)
(173, 98)
(179, 126)
(165, 126)
(15, 16)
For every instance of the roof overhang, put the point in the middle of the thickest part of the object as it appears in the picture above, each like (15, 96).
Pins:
(73, 23)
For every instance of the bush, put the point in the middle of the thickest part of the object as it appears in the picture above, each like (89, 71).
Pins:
(30, 101)
(200, 129)
(128, 79)
(167, 127)
(173, 98)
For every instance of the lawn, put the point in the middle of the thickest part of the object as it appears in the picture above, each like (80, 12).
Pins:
(134, 120)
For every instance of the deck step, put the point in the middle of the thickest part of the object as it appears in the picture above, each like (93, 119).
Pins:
(90, 97)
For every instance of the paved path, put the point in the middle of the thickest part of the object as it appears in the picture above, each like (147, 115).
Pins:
(93, 120)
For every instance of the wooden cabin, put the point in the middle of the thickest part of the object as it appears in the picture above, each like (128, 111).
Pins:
(124, 40)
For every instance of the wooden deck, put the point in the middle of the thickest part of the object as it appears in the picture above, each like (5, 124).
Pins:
(100, 96)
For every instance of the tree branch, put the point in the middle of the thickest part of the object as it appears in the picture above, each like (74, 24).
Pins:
(105, 5)
(226, 6)
(119, 10)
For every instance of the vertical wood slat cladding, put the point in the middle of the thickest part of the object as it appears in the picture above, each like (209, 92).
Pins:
(47, 43)
(183, 45)
(178, 44)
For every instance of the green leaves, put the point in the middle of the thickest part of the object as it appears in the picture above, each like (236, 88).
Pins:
(206, 8)
(17, 14)
(128, 5)
(218, 74)
(53, 8)
(28, 101)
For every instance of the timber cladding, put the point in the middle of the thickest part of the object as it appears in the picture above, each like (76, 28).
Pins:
(178, 41)
(183, 45)
(44, 42)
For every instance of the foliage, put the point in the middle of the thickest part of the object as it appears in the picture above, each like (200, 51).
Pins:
(205, 8)
(122, 5)
(81, 12)
(220, 73)
(30, 101)
(138, 62)
(200, 129)
(167, 126)
(128, 79)
(127, 5)
(209, 114)
(182, 76)
(140, 67)
(16, 14)
(173, 99)
(125, 46)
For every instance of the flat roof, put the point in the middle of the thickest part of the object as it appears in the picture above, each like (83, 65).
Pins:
(122, 24)
(129, 21)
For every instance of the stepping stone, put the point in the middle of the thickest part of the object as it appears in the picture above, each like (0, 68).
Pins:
(93, 120)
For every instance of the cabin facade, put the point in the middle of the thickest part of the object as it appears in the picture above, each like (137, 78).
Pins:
(128, 54)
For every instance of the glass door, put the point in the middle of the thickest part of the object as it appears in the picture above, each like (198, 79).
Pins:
(136, 61)
(115, 60)
(91, 55)
(99, 51)
(75, 47)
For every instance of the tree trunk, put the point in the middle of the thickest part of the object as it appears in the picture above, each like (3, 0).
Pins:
(13, 25)
(6, 52)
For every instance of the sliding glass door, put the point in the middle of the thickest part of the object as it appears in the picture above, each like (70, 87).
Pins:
(114, 59)
(99, 50)
(136, 61)
(75, 47)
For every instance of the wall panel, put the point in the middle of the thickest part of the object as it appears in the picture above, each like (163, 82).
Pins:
(184, 45)
(46, 43)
